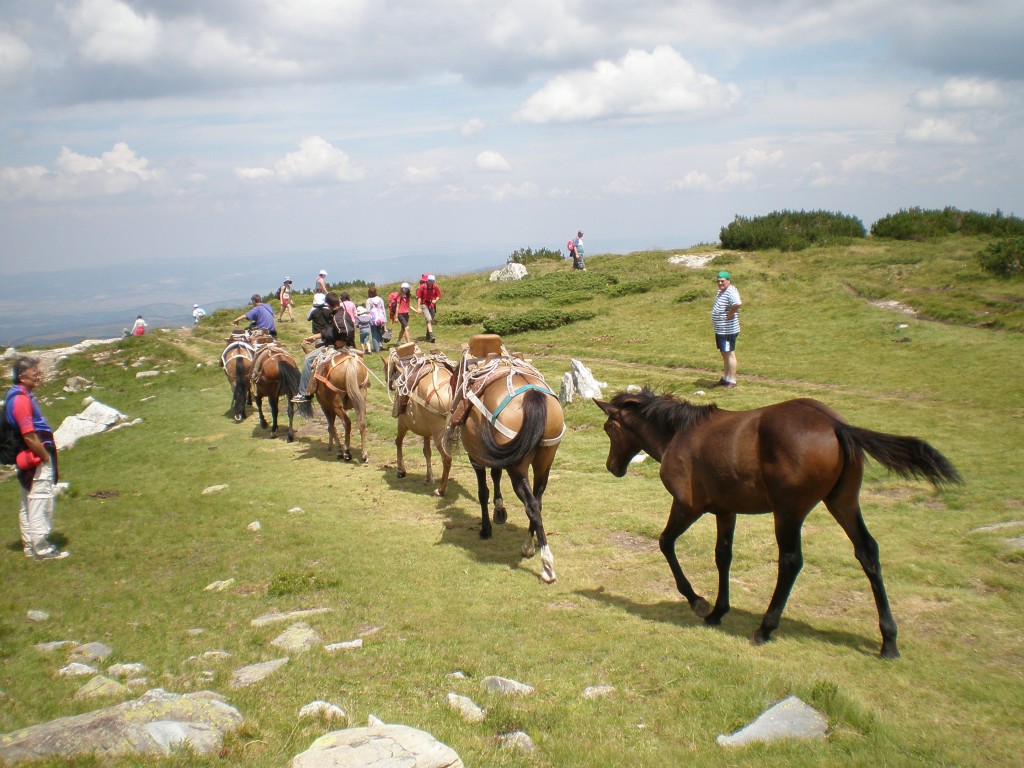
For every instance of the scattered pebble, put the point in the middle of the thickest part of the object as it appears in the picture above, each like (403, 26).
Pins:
(37, 616)
(219, 586)
(349, 645)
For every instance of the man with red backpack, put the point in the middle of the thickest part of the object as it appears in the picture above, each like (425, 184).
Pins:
(426, 302)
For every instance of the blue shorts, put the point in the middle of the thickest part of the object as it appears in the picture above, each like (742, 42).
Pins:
(726, 342)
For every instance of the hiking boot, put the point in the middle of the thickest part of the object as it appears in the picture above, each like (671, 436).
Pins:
(52, 554)
(728, 385)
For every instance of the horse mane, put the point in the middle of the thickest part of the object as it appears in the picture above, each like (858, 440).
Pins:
(664, 411)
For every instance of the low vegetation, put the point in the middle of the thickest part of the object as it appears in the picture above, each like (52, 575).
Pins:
(530, 256)
(909, 337)
(791, 230)
(925, 224)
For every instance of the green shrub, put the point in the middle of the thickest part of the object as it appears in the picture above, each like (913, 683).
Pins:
(462, 317)
(924, 224)
(297, 583)
(628, 288)
(691, 295)
(1004, 257)
(791, 230)
(529, 256)
(507, 325)
(557, 288)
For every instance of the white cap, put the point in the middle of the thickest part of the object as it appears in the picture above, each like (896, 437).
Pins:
(195, 306)
(318, 299)
(431, 278)
(360, 310)
(323, 273)
(405, 285)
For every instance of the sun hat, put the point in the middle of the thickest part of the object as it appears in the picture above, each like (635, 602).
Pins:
(405, 285)
(360, 310)
(323, 273)
(431, 278)
(723, 275)
(195, 306)
(318, 299)
(287, 279)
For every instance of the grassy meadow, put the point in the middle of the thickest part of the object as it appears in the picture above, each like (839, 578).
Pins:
(408, 572)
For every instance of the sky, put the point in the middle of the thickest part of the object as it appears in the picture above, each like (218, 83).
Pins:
(338, 133)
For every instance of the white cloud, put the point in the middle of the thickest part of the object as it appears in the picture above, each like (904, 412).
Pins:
(960, 93)
(472, 128)
(15, 57)
(937, 130)
(525, 191)
(641, 84)
(77, 176)
(869, 162)
(109, 31)
(420, 175)
(489, 160)
(316, 163)
(622, 185)
(693, 180)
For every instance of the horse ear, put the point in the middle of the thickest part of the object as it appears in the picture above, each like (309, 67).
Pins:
(608, 408)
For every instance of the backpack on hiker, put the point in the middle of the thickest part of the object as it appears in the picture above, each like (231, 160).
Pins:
(11, 441)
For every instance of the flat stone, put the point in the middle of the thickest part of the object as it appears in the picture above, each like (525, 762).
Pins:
(466, 707)
(382, 746)
(276, 617)
(998, 526)
(130, 669)
(253, 673)
(789, 719)
(54, 646)
(219, 586)
(297, 638)
(90, 652)
(215, 488)
(254, 526)
(146, 374)
(348, 645)
(37, 616)
(77, 669)
(101, 686)
(597, 691)
(496, 684)
(153, 725)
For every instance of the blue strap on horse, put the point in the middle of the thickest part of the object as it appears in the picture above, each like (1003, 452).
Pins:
(515, 393)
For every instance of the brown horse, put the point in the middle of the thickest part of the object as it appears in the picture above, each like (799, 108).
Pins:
(515, 424)
(340, 388)
(423, 397)
(274, 375)
(237, 363)
(783, 459)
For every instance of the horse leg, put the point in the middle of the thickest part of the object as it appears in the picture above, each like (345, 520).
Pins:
(398, 445)
(791, 560)
(273, 414)
(259, 407)
(680, 518)
(723, 559)
(482, 493)
(361, 423)
(291, 418)
(521, 485)
(500, 514)
(332, 432)
(426, 455)
(847, 513)
(346, 454)
(446, 467)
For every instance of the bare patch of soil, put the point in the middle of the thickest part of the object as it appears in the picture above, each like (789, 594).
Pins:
(633, 543)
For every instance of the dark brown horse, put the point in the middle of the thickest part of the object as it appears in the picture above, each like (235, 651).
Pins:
(237, 362)
(515, 424)
(782, 459)
(275, 375)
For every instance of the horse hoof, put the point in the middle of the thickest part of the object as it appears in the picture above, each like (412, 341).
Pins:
(400, 473)
(500, 515)
(365, 460)
(889, 652)
(346, 456)
(548, 578)
(527, 550)
(759, 638)
(439, 493)
(485, 533)
(701, 607)
(238, 418)
(291, 438)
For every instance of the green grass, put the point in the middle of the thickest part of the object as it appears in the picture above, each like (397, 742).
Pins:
(382, 552)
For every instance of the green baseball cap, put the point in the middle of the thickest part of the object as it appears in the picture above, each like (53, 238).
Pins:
(723, 275)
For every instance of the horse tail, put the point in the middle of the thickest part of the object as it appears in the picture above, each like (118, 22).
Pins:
(289, 376)
(531, 432)
(240, 388)
(908, 457)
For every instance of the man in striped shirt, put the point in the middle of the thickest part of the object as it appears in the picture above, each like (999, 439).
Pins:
(726, 321)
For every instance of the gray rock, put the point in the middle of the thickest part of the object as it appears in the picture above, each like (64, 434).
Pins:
(146, 374)
(586, 385)
(96, 418)
(153, 724)
(597, 691)
(348, 645)
(373, 721)
(997, 526)
(496, 684)
(253, 673)
(568, 389)
(77, 669)
(101, 686)
(215, 488)
(77, 384)
(508, 273)
(55, 645)
(37, 616)
(517, 740)
(219, 586)
(789, 719)
(382, 746)
(129, 670)
(254, 526)
(297, 638)
(466, 707)
(90, 652)
(322, 709)
(276, 617)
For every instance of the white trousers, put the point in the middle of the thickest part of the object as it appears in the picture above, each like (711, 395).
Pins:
(35, 514)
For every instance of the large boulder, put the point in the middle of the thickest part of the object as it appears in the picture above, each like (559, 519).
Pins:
(508, 273)
(154, 724)
(96, 418)
(380, 746)
(579, 381)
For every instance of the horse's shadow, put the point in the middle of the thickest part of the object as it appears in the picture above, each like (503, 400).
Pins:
(738, 622)
(462, 529)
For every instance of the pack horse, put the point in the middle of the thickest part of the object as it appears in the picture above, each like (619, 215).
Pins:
(507, 419)
(782, 459)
